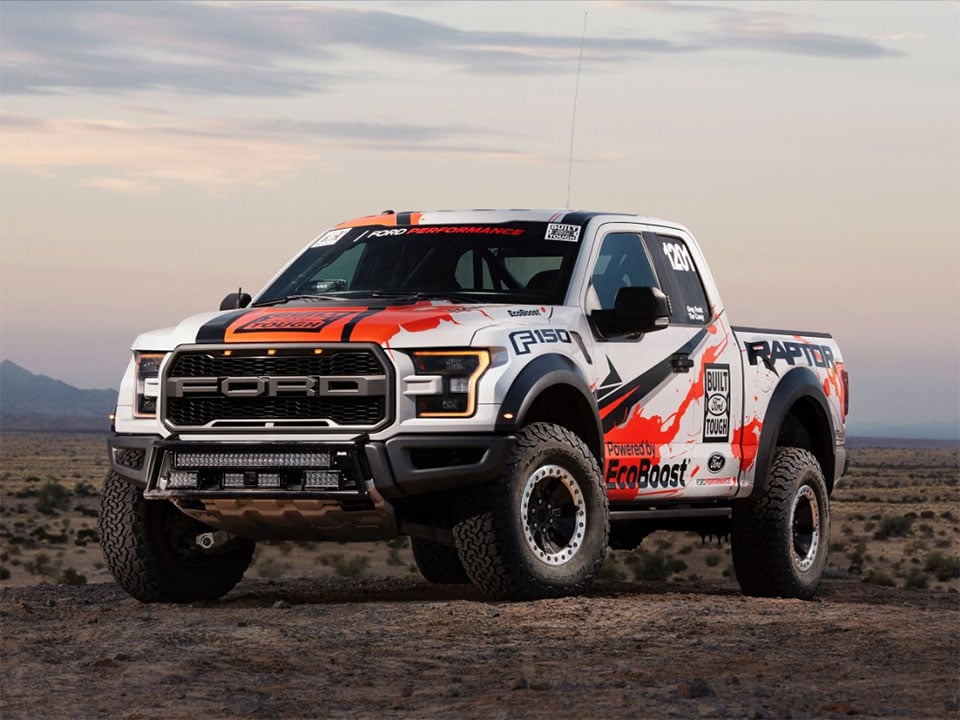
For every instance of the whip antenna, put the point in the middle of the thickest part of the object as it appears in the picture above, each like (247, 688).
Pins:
(573, 119)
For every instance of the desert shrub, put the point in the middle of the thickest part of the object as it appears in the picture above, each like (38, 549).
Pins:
(856, 559)
(928, 515)
(350, 566)
(269, 568)
(878, 577)
(85, 489)
(42, 535)
(52, 497)
(943, 568)
(838, 546)
(40, 565)
(71, 577)
(685, 550)
(85, 535)
(916, 580)
(4, 573)
(894, 526)
(647, 565)
(610, 570)
(712, 559)
(664, 543)
(926, 530)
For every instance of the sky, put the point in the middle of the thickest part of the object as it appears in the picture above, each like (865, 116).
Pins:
(156, 156)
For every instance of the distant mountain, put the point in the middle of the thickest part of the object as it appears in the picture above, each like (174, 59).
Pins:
(38, 402)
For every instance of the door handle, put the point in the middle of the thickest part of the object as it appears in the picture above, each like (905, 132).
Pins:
(681, 363)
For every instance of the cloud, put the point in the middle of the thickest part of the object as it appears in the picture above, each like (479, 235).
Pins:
(257, 49)
(747, 28)
(139, 157)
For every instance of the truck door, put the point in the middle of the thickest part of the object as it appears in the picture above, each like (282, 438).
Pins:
(667, 399)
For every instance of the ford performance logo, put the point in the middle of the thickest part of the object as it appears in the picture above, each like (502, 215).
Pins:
(287, 385)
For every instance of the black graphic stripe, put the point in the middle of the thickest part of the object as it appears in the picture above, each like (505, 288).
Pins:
(632, 392)
(348, 328)
(403, 218)
(216, 330)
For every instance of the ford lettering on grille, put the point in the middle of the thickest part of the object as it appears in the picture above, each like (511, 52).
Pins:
(333, 387)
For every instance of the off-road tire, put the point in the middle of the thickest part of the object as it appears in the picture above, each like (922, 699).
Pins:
(514, 555)
(147, 546)
(439, 564)
(779, 541)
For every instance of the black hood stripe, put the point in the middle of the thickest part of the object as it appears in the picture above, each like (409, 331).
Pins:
(351, 324)
(634, 391)
(216, 330)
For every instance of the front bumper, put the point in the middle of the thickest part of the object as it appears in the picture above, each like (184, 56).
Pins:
(404, 466)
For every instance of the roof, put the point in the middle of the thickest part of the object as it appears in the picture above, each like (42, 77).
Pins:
(488, 216)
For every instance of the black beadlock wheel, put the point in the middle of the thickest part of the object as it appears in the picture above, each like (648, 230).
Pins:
(439, 564)
(779, 541)
(151, 549)
(543, 523)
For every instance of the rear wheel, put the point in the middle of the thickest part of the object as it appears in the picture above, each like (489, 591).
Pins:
(779, 542)
(154, 550)
(439, 564)
(543, 526)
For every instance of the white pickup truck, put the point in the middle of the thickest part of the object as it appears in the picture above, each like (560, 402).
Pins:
(517, 390)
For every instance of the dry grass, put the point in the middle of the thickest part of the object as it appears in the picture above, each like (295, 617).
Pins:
(896, 520)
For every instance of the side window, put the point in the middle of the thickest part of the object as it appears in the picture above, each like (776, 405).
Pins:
(679, 279)
(622, 263)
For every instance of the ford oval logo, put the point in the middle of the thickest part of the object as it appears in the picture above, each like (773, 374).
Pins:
(716, 462)
(717, 405)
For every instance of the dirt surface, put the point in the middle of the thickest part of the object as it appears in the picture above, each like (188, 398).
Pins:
(392, 647)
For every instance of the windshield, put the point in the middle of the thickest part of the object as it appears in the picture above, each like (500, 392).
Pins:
(508, 263)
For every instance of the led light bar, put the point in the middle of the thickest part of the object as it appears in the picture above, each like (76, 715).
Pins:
(182, 479)
(326, 479)
(268, 480)
(233, 479)
(252, 459)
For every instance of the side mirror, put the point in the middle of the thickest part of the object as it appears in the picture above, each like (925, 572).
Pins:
(235, 301)
(635, 310)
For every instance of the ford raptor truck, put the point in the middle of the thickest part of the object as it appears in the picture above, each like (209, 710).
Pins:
(514, 390)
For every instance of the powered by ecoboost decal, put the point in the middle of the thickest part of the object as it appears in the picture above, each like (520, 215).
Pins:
(716, 405)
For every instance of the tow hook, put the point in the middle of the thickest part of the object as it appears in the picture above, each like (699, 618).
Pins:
(209, 540)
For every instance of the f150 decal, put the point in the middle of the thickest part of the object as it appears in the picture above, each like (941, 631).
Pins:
(525, 339)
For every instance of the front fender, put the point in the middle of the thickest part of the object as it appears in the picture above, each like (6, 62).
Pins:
(544, 372)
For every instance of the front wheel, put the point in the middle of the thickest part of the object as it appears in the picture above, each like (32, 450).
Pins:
(543, 523)
(779, 542)
(439, 564)
(154, 552)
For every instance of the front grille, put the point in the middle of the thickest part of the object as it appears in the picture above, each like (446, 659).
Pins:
(342, 411)
(344, 362)
(315, 387)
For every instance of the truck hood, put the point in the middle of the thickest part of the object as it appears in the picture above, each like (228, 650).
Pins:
(434, 323)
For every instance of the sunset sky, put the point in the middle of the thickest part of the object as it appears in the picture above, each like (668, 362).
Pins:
(156, 156)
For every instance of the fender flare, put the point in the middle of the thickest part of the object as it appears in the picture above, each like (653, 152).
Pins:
(797, 384)
(544, 372)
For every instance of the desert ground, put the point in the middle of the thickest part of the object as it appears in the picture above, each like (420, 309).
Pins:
(333, 630)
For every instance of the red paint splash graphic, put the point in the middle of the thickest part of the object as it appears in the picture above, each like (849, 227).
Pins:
(746, 441)
(655, 430)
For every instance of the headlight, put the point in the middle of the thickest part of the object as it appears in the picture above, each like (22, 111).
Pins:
(458, 372)
(147, 383)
